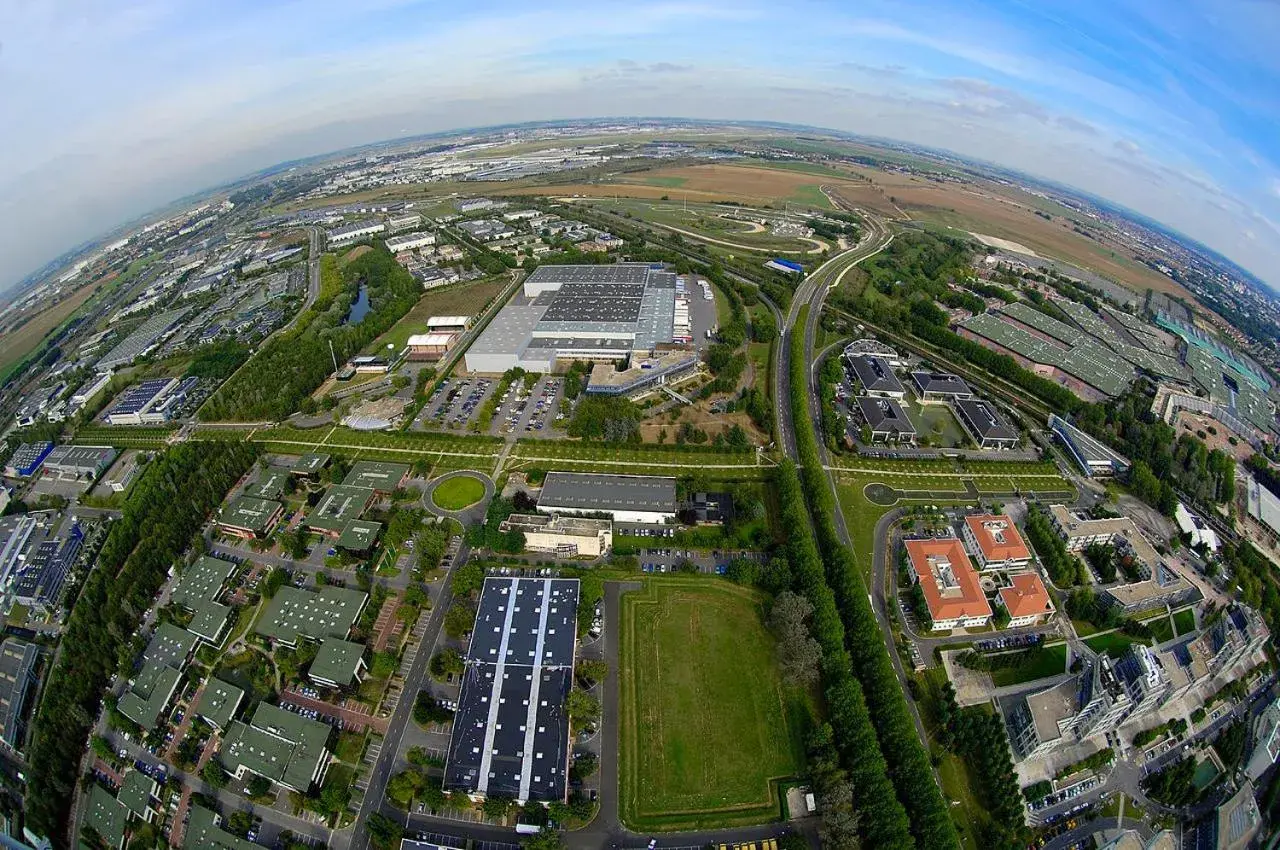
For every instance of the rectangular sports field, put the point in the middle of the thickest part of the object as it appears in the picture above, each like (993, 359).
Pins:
(707, 727)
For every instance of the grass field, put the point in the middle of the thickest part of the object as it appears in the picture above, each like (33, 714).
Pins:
(458, 493)
(707, 728)
(463, 299)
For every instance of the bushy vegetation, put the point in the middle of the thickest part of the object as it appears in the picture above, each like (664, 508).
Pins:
(218, 360)
(291, 365)
(164, 510)
(1173, 786)
(608, 418)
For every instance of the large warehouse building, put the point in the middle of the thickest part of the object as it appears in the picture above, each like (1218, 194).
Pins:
(511, 731)
(625, 498)
(600, 313)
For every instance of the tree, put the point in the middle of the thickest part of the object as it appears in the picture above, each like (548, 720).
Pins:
(591, 670)
(799, 655)
(545, 839)
(446, 661)
(584, 766)
(214, 775)
(459, 619)
(384, 833)
(258, 786)
(582, 707)
(427, 710)
(497, 807)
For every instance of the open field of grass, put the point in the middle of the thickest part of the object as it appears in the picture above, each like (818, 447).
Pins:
(461, 299)
(969, 814)
(124, 437)
(707, 728)
(458, 493)
(709, 220)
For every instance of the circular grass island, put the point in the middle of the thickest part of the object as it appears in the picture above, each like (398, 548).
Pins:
(457, 493)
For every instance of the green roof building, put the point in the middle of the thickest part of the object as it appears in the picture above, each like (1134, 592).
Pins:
(287, 748)
(377, 475)
(106, 815)
(202, 580)
(136, 793)
(219, 702)
(338, 663)
(359, 535)
(205, 832)
(329, 612)
(209, 621)
(309, 464)
(248, 517)
(338, 506)
(270, 484)
(149, 694)
(170, 646)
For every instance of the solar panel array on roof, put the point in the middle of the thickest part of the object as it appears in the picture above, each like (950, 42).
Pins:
(138, 396)
(511, 732)
(621, 273)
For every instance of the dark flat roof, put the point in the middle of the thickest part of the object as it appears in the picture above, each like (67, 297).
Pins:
(875, 374)
(590, 274)
(511, 732)
(588, 491)
(985, 421)
(940, 382)
(885, 414)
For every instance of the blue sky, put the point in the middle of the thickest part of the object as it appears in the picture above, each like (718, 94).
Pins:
(111, 109)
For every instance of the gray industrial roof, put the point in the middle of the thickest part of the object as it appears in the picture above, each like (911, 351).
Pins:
(590, 491)
(940, 382)
(625, 273)
(17, 662)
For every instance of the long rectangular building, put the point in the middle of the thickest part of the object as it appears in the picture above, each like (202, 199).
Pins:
(598, 313)
(511, 732)
(626, 498)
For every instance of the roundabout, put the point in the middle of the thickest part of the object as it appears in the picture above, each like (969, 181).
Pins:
(461, 495)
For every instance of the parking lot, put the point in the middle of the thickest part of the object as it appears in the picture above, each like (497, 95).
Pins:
(668, 560)
(455, 404)
(531, 413)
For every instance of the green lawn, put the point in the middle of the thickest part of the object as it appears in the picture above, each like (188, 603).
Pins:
(707, 729)
(1185, 621)
(1039, 664)
(1112, 643)
(458, 493)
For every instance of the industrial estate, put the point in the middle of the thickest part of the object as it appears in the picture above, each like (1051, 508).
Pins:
(641, 484)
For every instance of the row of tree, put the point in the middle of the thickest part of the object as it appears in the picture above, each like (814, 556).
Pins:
(912, 776)
(164, 511)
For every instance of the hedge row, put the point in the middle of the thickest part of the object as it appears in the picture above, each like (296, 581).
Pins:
(899, 744)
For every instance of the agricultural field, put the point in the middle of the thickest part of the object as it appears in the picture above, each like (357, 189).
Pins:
(26, 339)
(707, 728)
(732, 227)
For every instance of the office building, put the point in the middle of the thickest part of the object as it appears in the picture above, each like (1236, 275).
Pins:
(138, 793)
(105, 815)
(510, 734)
(1093, 457)
(939, 386)
(219, 702)
(430, 347)
(293, 613)
(624, 498)
(337, 508)
(140, 403)
(951, 588)
(1026, 600)
(564, 536)
(984, 424)
(290, 750)
(410, 242)
(885, 420)
(381, 477)
(993, 540)
(875, 377)
(249, 518)
(338, 663)
(404, 221)
(204, 832)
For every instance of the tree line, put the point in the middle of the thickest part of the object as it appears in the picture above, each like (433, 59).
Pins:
(164, 511)
(912, 777)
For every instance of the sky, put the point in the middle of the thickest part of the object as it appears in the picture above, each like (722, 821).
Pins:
(110, 110)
